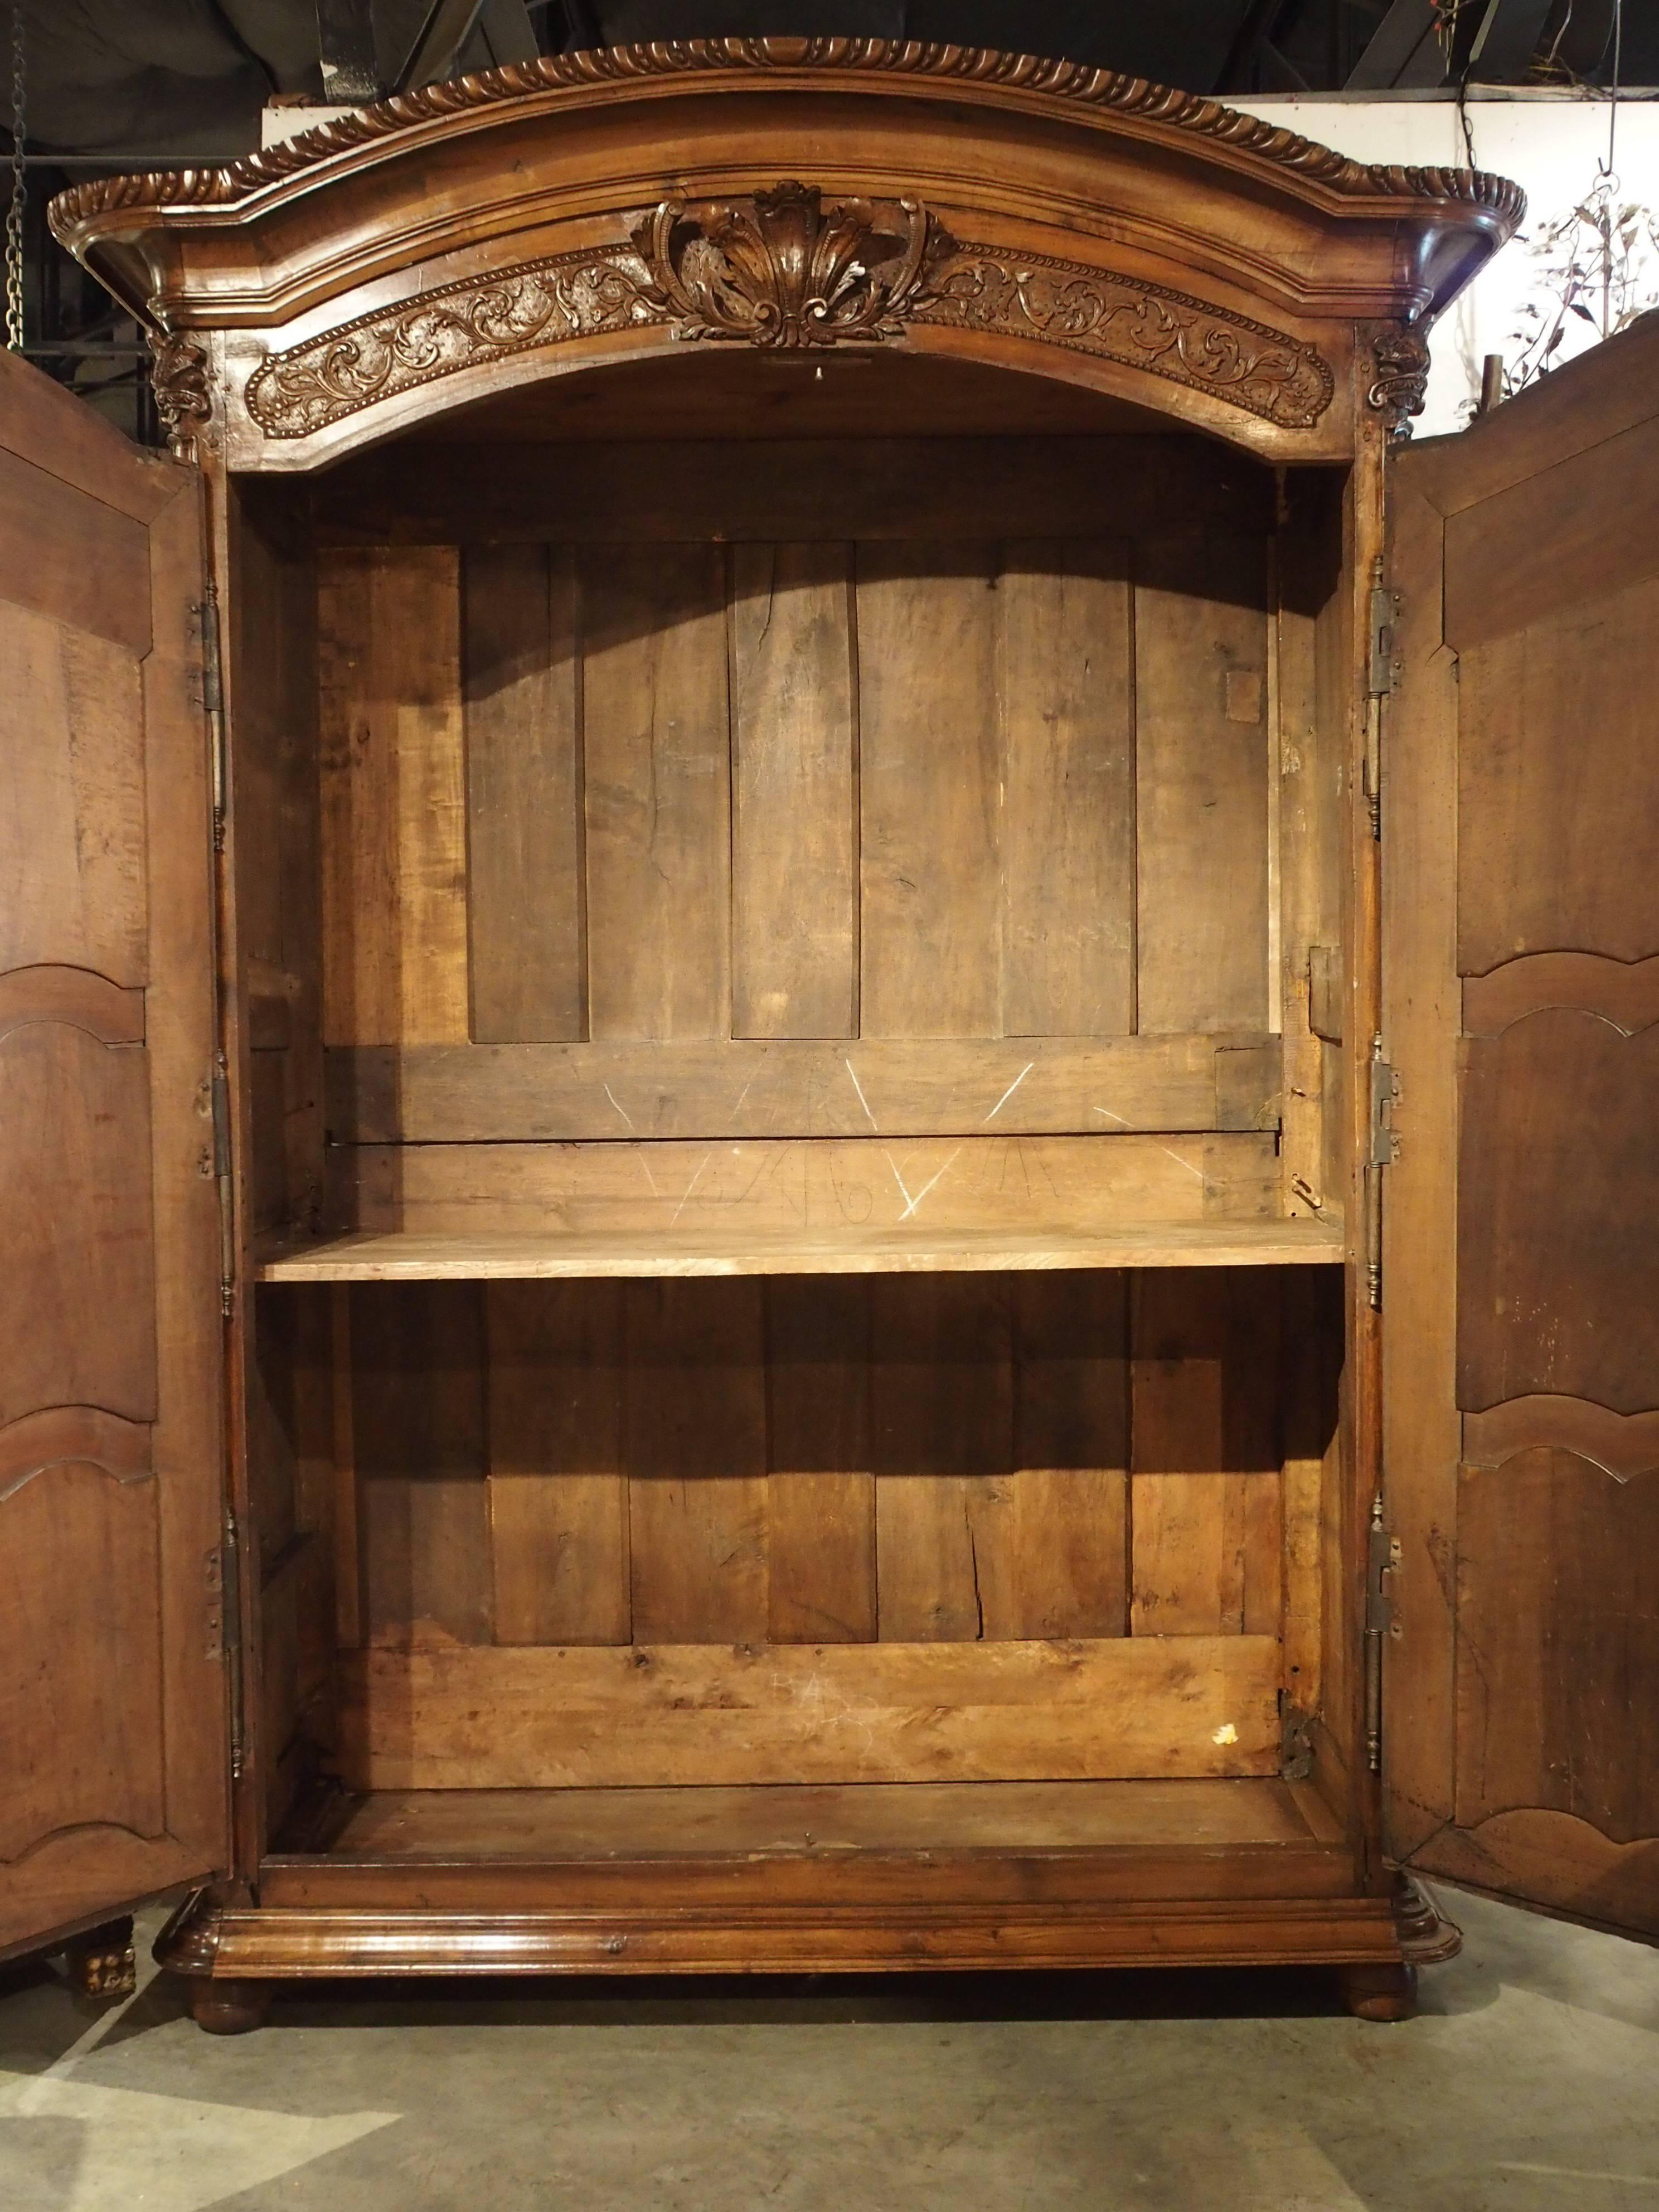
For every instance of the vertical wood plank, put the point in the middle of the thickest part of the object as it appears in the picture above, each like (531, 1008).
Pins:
(525, 903)
(1205, 1452)
(930, 791)
(1202, 784)
(694, 1441)
(657, 752)
(418, 1414)
(558, 1499)
(394, 819)
(942, 1422)
(1313, 1355)
(1069, 819)
(821, 1506)
(1052, 1537)
(794, 799)
(348, 1556)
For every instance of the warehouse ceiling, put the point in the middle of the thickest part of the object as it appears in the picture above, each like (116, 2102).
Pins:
(173, 78)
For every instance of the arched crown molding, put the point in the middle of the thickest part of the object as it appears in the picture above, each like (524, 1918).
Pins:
(1075, 84)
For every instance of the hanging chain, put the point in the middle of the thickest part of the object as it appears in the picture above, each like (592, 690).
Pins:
(19, 182)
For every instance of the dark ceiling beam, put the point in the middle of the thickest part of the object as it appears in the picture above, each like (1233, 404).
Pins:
(1402, 51)
(1507, 40)
(345, 47)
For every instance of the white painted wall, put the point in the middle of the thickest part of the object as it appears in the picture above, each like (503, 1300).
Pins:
(1550, 143)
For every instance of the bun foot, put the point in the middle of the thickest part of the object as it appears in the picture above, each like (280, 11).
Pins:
(1380, 1992)
(101, 1962)
(228, 2008)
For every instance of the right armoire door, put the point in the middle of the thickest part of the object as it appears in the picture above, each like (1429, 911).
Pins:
(1521, 1243)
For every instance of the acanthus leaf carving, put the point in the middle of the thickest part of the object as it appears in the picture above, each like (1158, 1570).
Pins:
(783, 270)
(1399, 386)
(1281, 379)
(179, 379)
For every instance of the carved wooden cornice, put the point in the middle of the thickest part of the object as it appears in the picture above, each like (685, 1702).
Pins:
(784, 270)
(1066, 84)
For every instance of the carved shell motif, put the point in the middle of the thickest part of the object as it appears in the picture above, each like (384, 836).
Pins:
(782, 272)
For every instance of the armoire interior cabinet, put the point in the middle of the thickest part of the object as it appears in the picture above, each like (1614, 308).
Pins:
(826, 1050)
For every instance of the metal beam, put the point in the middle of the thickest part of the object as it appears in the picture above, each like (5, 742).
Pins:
(345, 46)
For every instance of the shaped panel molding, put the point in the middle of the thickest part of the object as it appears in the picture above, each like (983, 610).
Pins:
(1558, 1643)
(1559, 1214)
(80, 1650)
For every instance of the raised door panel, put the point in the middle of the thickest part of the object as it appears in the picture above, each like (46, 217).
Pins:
(1522, 1220)
(111, 1678)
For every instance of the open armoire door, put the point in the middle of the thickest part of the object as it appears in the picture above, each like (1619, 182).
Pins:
(1522, 1240)
(113, 1704)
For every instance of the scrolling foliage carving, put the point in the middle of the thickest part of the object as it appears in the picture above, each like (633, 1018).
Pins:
(1401, 356)
(782, 270)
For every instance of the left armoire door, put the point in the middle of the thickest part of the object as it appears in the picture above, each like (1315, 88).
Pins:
(113, 1677)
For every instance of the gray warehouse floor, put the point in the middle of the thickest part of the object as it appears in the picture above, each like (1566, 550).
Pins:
(1529, 2083)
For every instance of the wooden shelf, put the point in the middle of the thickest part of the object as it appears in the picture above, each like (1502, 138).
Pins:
(363, 1256)
(551, 1826)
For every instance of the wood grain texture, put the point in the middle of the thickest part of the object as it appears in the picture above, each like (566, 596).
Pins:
(394, 809)
(1421, 1432)
(526, 903)
(71, 557)
(832, 484)
(1553, 1860)
(1559, 1643)
(1556, 534)
(1553, 741)
(942, 1414)
(558, 1495)
(637, 1826)
(942, 1086)
(695, 1443)
(821, 1492)
(1558, 1215)
(654, 1716)
(1623, 1444)
(418, 1419)
(77, 1234)
(924, 1186)
(1066, 675)
(1624, 993)
(71, 995)
(81, 1654)
(795, 793)
(931, 791)
(1202, 784)
(71, 800)
(1206, 1485)
(658, 791)
(462, 1255)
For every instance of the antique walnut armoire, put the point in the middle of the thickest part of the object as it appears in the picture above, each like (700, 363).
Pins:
(827, 1051)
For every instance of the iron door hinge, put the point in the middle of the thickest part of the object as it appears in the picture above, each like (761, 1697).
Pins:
(210, 696)
(1382, 674)
(1382, 1560)
(1384, 1150)
(224, 1627)
(220, 1086)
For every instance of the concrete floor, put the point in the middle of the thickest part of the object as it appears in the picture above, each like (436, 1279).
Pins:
(1528, 2083)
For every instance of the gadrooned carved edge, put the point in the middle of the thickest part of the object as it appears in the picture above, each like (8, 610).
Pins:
(783, 272)
(1059, 80)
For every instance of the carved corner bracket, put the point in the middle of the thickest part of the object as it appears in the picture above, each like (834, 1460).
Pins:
(784, 270)
(179, 377)
(1401, 356)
